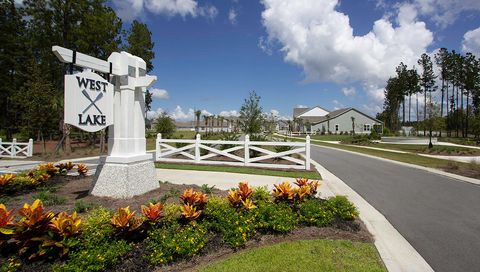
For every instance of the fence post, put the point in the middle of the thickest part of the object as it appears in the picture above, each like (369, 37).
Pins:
(30, 148)
(246, 150)
(13, 148)
(307, 153)
(158, 149)
(197, 148)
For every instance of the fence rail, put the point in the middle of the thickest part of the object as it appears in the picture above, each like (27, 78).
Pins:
(230, 152)
(14, 149)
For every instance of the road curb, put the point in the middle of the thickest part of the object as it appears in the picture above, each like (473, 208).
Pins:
(396, 252)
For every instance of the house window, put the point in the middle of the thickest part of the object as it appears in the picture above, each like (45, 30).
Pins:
(336, 128)
(366, 127)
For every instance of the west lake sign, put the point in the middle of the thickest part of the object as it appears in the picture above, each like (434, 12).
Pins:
(88, 101)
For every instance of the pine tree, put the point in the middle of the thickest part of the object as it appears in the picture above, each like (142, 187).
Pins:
(427, 81)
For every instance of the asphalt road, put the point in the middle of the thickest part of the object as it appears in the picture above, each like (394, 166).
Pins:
(439, 216)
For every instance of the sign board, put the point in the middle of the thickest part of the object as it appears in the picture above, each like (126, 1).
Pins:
(88, 101)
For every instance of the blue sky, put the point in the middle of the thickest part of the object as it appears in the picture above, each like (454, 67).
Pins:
(211, 54)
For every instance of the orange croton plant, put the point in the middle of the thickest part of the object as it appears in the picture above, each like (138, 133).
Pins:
(125, 220)
(6, 220)
(6, 178)
(66, 225)
(283, 191)
(153, 212)
(240, 197)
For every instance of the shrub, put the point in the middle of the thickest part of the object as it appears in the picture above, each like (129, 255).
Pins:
(82, 169)
(342, 208)
(125, 221)
(276, 217)
(229, 137)
(235, 226)
(96, 249)
(168, 243)
(207, 189)
(194, 202)
(6, 224)
(153, 212)
(282, 148)
(313, 212)
(240, 197)
(261, 193)
(5, 179)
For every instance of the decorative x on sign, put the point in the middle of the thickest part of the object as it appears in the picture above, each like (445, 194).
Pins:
(92, 102)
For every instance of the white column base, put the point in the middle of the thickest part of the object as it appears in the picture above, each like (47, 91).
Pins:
(124, 179)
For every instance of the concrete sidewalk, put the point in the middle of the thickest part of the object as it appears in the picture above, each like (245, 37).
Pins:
(225, 181)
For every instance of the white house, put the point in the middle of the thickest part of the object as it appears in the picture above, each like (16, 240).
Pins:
(345, 121)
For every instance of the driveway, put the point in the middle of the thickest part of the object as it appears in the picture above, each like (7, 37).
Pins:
(439, 216)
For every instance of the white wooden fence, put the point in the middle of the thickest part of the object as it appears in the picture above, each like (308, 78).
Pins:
(191, 152)
(16, 150)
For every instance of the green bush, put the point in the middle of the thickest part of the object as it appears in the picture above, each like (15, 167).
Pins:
(261, 193)
(313, 213)
(276, 217)
(97, 249)
(172, 241)
(81, 206)
(341, 207)
(282, 148)
(235, 226)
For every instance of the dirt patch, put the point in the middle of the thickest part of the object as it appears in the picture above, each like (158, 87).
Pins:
(471, 170)
(73, 189)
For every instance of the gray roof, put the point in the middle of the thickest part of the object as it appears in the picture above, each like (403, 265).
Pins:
(298, 111)
(336, 113)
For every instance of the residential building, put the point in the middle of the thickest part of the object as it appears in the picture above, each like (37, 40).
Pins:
(345, 121)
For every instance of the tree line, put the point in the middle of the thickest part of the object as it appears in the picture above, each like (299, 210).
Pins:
(31, 89)
(456, 111)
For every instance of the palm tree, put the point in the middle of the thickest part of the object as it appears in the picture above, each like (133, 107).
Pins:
(198, 113)
(205, 119)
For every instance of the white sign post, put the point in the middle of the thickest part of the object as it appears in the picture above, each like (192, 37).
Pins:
(127, 170)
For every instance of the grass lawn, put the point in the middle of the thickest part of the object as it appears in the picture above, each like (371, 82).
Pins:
(242, 170)
(332, 137)
(311, 255)
(436, 150)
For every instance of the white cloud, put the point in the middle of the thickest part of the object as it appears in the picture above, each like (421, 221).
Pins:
(232, 16)
(159, 93)
(154, 114)
(315, 36)
(445, 12)
(265, 44)
(131, 9)
(301, 106)
(179, 114)
(230, 113)
(349, 91)
(274, 113)
(337, 105)
(471, 42)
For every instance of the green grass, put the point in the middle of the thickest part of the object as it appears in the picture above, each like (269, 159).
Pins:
(49, 198)
(312, 255)
(437, 149)
(332, 137)
(242, 170)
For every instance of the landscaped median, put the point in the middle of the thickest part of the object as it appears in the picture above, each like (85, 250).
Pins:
(471, 170)
(167, 230)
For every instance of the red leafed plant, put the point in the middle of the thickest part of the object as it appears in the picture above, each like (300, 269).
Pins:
(241, 196)
(82, 169)
(51, 169)
(190, 212)
(153, 212)
(125, 220)
(31, 230)
(301, 182)
(66, 225)
(194, 198)
(283, 191)
(65, 166)
(6, 224)
(6, 178)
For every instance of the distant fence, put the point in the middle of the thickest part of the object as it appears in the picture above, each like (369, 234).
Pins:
(16, 150)
(223, 152)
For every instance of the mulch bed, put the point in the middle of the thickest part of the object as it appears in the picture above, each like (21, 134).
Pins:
(76, 188)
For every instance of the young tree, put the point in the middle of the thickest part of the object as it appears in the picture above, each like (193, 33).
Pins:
(251, 114)
(165, 125)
